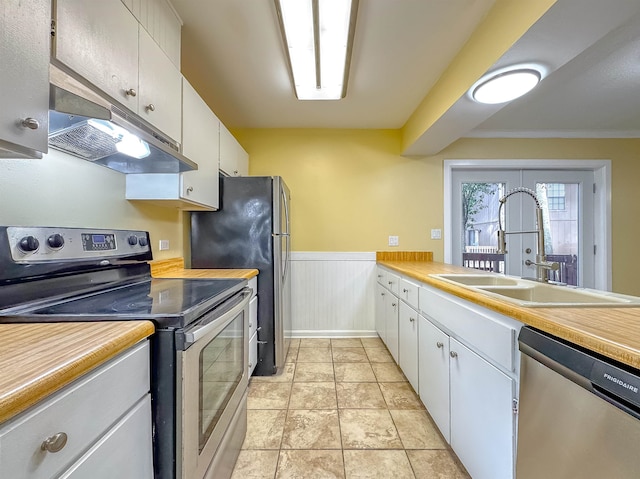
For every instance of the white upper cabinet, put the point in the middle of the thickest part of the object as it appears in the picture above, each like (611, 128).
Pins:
(104, 44)
(160, 84)
(99, 41)
(195, 190)
(234, 161)
(24, 78)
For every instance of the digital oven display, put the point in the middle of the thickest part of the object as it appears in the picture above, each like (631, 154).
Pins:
(98, 242)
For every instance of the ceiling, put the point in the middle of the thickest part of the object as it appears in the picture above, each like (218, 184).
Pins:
(233, 54)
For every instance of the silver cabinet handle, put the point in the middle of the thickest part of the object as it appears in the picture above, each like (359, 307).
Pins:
(379, 276)
(54, 443)
(250, 364)
(381, 294)
(453, 354)
(30, 123)
(150, 107)
(131, 92)
(404, 290)
(439, 345)
(190, 189)
(412, 320)
(390, 282)
(393, 305)
(235, 172)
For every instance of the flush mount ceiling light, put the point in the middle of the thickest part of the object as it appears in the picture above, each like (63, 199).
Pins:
(318, 37)
(506, 84)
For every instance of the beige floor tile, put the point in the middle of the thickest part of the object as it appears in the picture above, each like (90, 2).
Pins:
(400, 396)
(368, 429)
(319, 395)
(377, 465)
(268, 395)
(350, 355)
(294, 344)
(316, 464)
(307, 372)
(314, 355)
(435, 465)
(256, 465)
(292, 356)
(312, 429)
(387, 372)
(264, 428)
(416, 429)
(360, 396)
(379, 355)
(346, 343)
(283, 376)
(372, 342)
(353, 372)
(315, 342)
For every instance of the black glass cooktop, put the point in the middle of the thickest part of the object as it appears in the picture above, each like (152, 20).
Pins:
(167, 302)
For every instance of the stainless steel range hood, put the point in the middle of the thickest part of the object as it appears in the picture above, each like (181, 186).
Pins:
(87, 125)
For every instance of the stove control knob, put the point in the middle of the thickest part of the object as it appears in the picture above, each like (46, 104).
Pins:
(28, 244)
(132, 240)
(55, 241)
(143, 241)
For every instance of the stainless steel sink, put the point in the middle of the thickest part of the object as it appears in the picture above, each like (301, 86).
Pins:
(532, 294)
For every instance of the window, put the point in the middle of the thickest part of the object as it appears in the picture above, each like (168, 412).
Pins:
(556, 196)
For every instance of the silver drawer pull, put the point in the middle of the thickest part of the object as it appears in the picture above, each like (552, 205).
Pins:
(131, 92)
(54, 443)
(439, 345)
(150, 107)
(412, 319)
(405, 290)
(30, 123)
(393, 305)
(453, 354)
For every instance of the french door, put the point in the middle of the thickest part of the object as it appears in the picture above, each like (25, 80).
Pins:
(566, 198)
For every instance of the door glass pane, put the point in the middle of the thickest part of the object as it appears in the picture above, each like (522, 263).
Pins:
(480, 206)
(560, 215)
(221, 368)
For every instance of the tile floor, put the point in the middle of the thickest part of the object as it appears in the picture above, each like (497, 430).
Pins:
(341, 409)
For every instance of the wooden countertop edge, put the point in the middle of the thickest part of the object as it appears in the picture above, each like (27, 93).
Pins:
(539, 318)
(174, 268)
(50, 380)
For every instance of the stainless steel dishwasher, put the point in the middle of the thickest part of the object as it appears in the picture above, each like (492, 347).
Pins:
(579, 412)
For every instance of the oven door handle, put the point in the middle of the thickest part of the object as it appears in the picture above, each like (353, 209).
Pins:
(232, 308)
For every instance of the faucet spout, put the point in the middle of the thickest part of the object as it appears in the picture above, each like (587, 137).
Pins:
(541, 263)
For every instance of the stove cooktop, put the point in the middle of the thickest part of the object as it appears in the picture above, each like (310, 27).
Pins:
(169, 303)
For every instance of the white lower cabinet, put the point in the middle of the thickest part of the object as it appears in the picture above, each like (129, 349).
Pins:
(391, 310)
(253, 334)
(99, 426)
(381, 326)
(434, 374)
(482, 417)
(408, 343)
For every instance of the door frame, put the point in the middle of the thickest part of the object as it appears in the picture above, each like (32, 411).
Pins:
(602, 202)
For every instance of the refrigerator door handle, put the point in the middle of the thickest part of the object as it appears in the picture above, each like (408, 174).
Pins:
(280, 234)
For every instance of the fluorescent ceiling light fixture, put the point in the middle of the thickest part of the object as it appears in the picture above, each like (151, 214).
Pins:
(125, 142)
(505, 85)
(318, 37)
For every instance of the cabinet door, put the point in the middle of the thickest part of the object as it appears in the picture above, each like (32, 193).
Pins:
(242, 160)
(381, 296)
(200, 135)
(230, 161)
(99, 41)
(433, 381)
(391, 324)
(408, 343)
(482, 418)
(24, 77)
(160, 86)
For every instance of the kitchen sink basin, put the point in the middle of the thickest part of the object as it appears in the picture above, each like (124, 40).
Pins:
(532, 294)
(477, 279)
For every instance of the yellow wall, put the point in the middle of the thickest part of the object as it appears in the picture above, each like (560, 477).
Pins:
(61, 190)
(351, 189)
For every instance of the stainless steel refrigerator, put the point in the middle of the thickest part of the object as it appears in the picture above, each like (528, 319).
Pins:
(251, 230)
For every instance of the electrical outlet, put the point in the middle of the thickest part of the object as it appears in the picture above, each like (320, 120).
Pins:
(436, 234)
(393, 241)
(164, 244)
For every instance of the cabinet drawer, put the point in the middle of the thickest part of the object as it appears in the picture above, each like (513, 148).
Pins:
(392, 282)
(84, 410)
(483, 330)
(381, 277)
(253, 353)
(123, 452)
(408, 291)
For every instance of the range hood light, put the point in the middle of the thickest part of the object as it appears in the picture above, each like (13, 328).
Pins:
(126, 143)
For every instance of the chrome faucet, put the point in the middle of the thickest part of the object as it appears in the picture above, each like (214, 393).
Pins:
(542, 265)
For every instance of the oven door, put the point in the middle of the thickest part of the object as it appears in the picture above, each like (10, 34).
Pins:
(213, 368)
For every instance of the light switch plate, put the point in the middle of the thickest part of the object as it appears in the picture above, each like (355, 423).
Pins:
(393, 241)
(436, 234)
(164, 244)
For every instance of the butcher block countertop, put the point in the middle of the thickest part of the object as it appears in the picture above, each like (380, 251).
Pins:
(174, 268)
(612, 332)
(37, 359)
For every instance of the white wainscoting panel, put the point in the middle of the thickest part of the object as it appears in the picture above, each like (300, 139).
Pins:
(332, 294)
